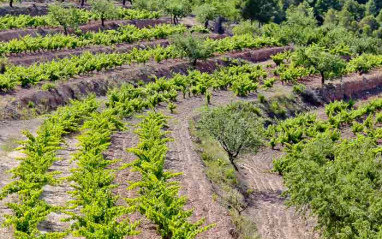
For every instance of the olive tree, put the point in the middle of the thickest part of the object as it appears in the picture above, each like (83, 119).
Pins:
(66, 17)
(104, 9)
(192, 47)
(329, 66)
(205, 13)
(237, 127)
(218, 10)
(174, 8)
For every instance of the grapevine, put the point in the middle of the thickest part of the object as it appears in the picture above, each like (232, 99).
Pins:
(32, 174)
(87, 63)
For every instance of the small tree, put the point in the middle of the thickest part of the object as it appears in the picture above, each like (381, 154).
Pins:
(260, 10)
(328, 65)
(236, 127)
(192, 47)
(205, 13)
(176, 9)
(104, 9)
(65, 17)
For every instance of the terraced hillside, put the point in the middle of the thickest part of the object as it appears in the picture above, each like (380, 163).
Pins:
(181, 119)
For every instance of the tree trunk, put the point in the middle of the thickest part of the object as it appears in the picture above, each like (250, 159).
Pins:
(322, 78)
(102, 21)
(219, 26)
(2, 69)
(11, 3)
(194, 62)
(232, 160)
(124, 2)
(82, 3)
(206, 24)
(65, 30)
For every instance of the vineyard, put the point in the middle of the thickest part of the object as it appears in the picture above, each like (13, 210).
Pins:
(175, 119)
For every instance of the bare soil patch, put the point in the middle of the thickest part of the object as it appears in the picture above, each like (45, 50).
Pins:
(118, 150)
(272, 217)
(10, 134)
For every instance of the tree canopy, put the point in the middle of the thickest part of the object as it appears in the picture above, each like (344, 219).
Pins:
(237, 127)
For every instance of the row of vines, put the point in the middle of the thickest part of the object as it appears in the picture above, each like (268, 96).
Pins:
(25, 21)
(295, 66)
(33, 172)
(159, 198)
(240, 78)
(124, 34)
(88, 63)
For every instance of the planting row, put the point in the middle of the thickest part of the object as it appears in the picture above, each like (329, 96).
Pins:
(33, 172)
(316, 60)
(82, 17)
(159, 198)
(124, 34)
(87, 63)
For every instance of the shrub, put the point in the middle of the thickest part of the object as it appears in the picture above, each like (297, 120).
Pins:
(48, 86)
(246, 27)
(299, 88)
(192, 47)
(237, 128)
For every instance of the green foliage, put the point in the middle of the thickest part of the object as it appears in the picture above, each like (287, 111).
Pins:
(129, 99)
(88, 63)
(25, 21)
(205, 13)
(335, 179)
(291, 73)
(175, 8)
(281, 58)
(159, 198)
(329, 66)
(171, 106)
(299, 88)
(124, 34)
(269, 83)
(237, 128)
(261, 98)
(104, 9)
(246, 27)
(364, 63)
(48, 86)
(100, 216)
(65, 17)
(33, 172)
(192, 47)
(260, 10)
(243, 86)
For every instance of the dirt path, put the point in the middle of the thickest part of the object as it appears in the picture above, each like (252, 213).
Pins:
(272, 217)
(195, 184)
(120, 143)
(10, 133)
(58, 195)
